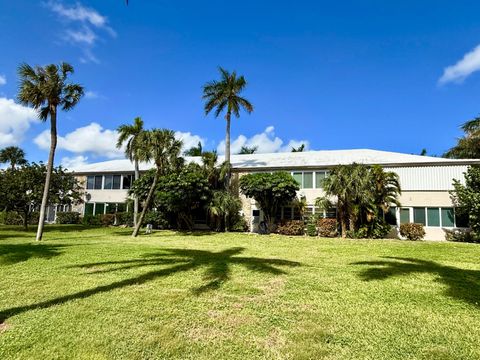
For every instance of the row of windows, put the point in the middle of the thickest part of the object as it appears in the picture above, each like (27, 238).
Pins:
(428, 216)
(109, 182)
(104, 208)
(310, 179)
(293, 213)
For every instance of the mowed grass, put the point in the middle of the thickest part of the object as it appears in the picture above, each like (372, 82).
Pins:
(99, 294)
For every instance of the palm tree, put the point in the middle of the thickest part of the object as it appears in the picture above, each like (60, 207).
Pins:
(387, 188)
(46, 88)
(13, 155)
(161, 147)
(248, 150)
(222, 205)
(194, 150)
(298, 149)
(468, 146)
(224, 95)
(129, 135)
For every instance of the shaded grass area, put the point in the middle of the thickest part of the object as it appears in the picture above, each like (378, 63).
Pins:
(99, 294)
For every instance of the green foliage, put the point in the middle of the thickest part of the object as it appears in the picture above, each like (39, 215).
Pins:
(91, 220)
(311, 229)
(157, 219)
(270, 191)
(466, 198)
(468, 146)
(107, 219)
(21, 190)
(327, 227)
(125, 218)
(224, 209)
(461, 235)
(301, 148)
(69, 217)
(194, 150)
(245, 150)
(12, 155)
(412, 231)
(291, 227)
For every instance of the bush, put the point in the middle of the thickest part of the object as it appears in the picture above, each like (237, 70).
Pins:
(91, 220)
(327, 227)
(291, 227)
(461, 235)
(125, 218)
(157, 219)
(311, 228)
(412, 231)
(10, 218)
(70, 217)
(107, 219)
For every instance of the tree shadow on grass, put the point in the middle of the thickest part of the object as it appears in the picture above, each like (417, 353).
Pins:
(15, 253)
(217, 271)
(461, 284)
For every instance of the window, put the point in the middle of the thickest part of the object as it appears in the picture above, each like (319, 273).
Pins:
(404, 216)
(90, 182)
(99, 208)
(308, 180)
(116, 182)
(433, 216)
(108, 182)
(88, 209)
(391, 216)
(331, 213)
(419, 216)
(319, 177)
(448, 217)
(298, 178)
(98, 182)
(309, 211)
(127, 181)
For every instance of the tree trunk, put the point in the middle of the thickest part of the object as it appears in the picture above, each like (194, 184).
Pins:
(135, 200)
(343, 224)
(51, 159)
(25, 220)
(147, 203)
(227, 148)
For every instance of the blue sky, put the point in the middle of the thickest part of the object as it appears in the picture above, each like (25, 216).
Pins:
(349, 74)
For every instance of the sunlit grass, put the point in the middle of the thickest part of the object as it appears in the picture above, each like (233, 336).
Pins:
(99, 294)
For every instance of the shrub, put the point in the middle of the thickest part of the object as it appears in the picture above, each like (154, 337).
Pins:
(107, 219)
(157, 219)
(291, 227)
(311, 228)
(327, 227)
(10, 218)
(461, 235)
(125, 218)
(91, 220)
(70, 217)
(412, 231)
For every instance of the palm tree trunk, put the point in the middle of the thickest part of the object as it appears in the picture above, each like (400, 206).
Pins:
(343, 224)
(135, 200)
(147, 203)
(51, 159)
(227, 148)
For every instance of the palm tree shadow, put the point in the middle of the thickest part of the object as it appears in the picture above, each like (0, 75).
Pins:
(15, 253)
(217, 271)
(462, 284)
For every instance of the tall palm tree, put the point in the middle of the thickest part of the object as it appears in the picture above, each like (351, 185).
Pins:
(161, 147)
(387, 188)
(129, 135)
(13, 155)
(468, 146)
(46, 88)
(224, 95)
(194, 150)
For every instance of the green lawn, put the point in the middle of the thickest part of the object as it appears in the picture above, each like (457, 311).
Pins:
(99, 294)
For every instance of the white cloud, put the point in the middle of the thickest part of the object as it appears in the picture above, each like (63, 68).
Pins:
(73, 162)
(15, 121)
(189, 140)
(266, 142)
(82, 27)
(91, 139)
(3, 80)
(92, 95)
(469, 64)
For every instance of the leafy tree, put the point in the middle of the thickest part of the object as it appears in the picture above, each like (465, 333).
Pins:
(270, 191)
(46, 88)
(468, 146)
(224, 95)
(223, 207)
(12, 155)
(194, 150)
(22, 190)
(248, 150)
(466, 198)
(129, 135)
(161, 147)
(301, 148)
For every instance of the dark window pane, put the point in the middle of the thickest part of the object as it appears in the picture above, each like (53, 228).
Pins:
(98, 182)
(331, 213)
(90, 182)
(111, 208)
(461, 219)
(308, 180)
(404, 216)
(419, 216)
(391, 216)
(448, 217)
(99, 208)
(298, 178)
(116, 181)
(433, 216)
(127, 181)
(108, 182)
(88, 209)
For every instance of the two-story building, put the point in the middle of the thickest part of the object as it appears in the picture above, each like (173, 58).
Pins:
(425, 182)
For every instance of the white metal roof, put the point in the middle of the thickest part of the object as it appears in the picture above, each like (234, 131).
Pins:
(289, 160)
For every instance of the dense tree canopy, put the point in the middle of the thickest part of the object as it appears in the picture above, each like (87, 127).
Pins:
(468, 146)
